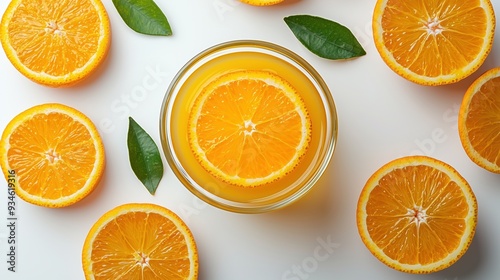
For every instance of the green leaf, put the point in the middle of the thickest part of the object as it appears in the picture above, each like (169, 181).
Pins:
(324, 37)
(144, 156)
(143, 16)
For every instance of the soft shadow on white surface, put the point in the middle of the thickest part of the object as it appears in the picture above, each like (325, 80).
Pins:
(381, 116)
(471, 263)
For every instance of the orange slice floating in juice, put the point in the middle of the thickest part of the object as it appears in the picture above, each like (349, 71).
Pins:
(249, 128)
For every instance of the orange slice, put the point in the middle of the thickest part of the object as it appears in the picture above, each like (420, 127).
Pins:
(479, 121)
(433, 42)
(55, 43)
(262, 2)
(417, 214)
(56, 153)
(249, 128)
(140, 242)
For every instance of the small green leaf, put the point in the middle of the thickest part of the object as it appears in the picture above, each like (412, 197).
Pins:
(324, 37)
(143, 16)
(144, 156)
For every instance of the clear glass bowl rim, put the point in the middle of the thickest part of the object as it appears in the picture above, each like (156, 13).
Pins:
(199, 191)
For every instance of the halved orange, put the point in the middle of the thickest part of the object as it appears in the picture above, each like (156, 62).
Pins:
(479, 121)
(417, 214)
(55, 43)
(262, 2)
(249, 128)
(434, 42)
(142, 242)
(56, 153)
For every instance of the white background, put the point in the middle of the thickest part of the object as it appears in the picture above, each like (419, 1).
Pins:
(381, 117)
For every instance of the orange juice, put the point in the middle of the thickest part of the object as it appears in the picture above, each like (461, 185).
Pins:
(323, 132)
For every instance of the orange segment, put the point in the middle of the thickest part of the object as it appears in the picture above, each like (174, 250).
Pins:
(479, 121)
(262, 2)
(56, 152)
(141, 242)
(55, 43)
(249, 127)
(417, 214)
(434, 42)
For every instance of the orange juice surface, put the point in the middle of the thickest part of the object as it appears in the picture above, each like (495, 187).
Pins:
(248, 60)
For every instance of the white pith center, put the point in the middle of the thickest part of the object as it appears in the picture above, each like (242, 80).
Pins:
(142, 259)
(248, 127)
(417, 215)
(433, 26)
(53, 28)
(52, 156)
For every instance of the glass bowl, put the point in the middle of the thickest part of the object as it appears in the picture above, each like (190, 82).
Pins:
(251, 55)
